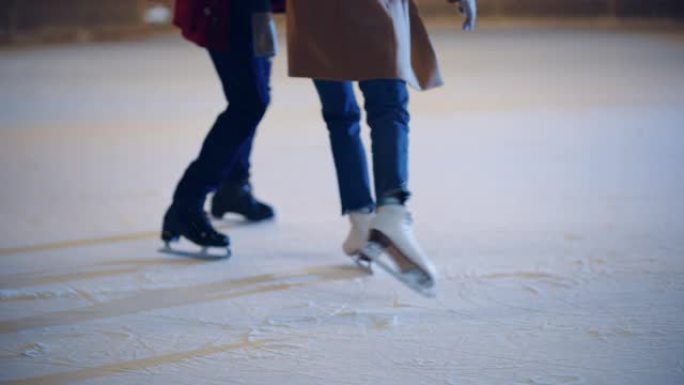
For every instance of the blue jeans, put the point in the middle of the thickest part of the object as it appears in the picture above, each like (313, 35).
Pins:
(386, 105)
(224, 156)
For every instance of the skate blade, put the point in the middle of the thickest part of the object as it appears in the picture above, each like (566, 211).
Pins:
(416, 279)
(363, 263)
(412, 279)
(204, 254)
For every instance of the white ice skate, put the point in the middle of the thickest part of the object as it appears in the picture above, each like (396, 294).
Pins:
(392, 246)
(357, 237)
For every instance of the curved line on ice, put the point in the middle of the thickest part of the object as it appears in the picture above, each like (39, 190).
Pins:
(133, 365)
(179, 296)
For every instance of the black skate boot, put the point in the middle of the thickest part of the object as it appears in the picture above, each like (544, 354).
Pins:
(238, 198)
(194, 226)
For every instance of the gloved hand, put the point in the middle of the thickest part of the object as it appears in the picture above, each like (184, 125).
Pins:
(469, 9)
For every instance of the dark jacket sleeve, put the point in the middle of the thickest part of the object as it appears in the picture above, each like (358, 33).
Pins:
(206, 22)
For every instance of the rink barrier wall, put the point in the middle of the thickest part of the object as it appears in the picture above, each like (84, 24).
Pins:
(67, 19)
(47, 20)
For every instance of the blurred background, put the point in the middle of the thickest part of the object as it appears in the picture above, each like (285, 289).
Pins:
(50, 20)
(547, 187)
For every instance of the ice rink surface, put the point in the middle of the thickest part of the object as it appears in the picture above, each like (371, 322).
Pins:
(548, 181)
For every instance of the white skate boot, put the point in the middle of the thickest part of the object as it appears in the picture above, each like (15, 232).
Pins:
(357, 238)
(391, 235)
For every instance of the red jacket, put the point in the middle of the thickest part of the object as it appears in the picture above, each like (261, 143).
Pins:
(205, 22)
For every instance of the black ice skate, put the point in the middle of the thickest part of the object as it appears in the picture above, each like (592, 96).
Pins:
(238, 199)
(195, 227)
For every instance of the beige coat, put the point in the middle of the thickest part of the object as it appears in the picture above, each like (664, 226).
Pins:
(360, 40)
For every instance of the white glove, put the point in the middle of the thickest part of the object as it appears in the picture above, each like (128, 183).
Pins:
(469, 9)
(264, 34)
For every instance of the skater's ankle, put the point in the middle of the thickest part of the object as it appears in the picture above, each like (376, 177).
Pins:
(391, 201)
(394, 197)
(362, 210)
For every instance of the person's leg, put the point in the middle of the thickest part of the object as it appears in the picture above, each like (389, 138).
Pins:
(240, 172)
(242, 43)
(234, 195)
(246, 90)
(245, 82)
(391, 228)
(342, 117)
(386, 104)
